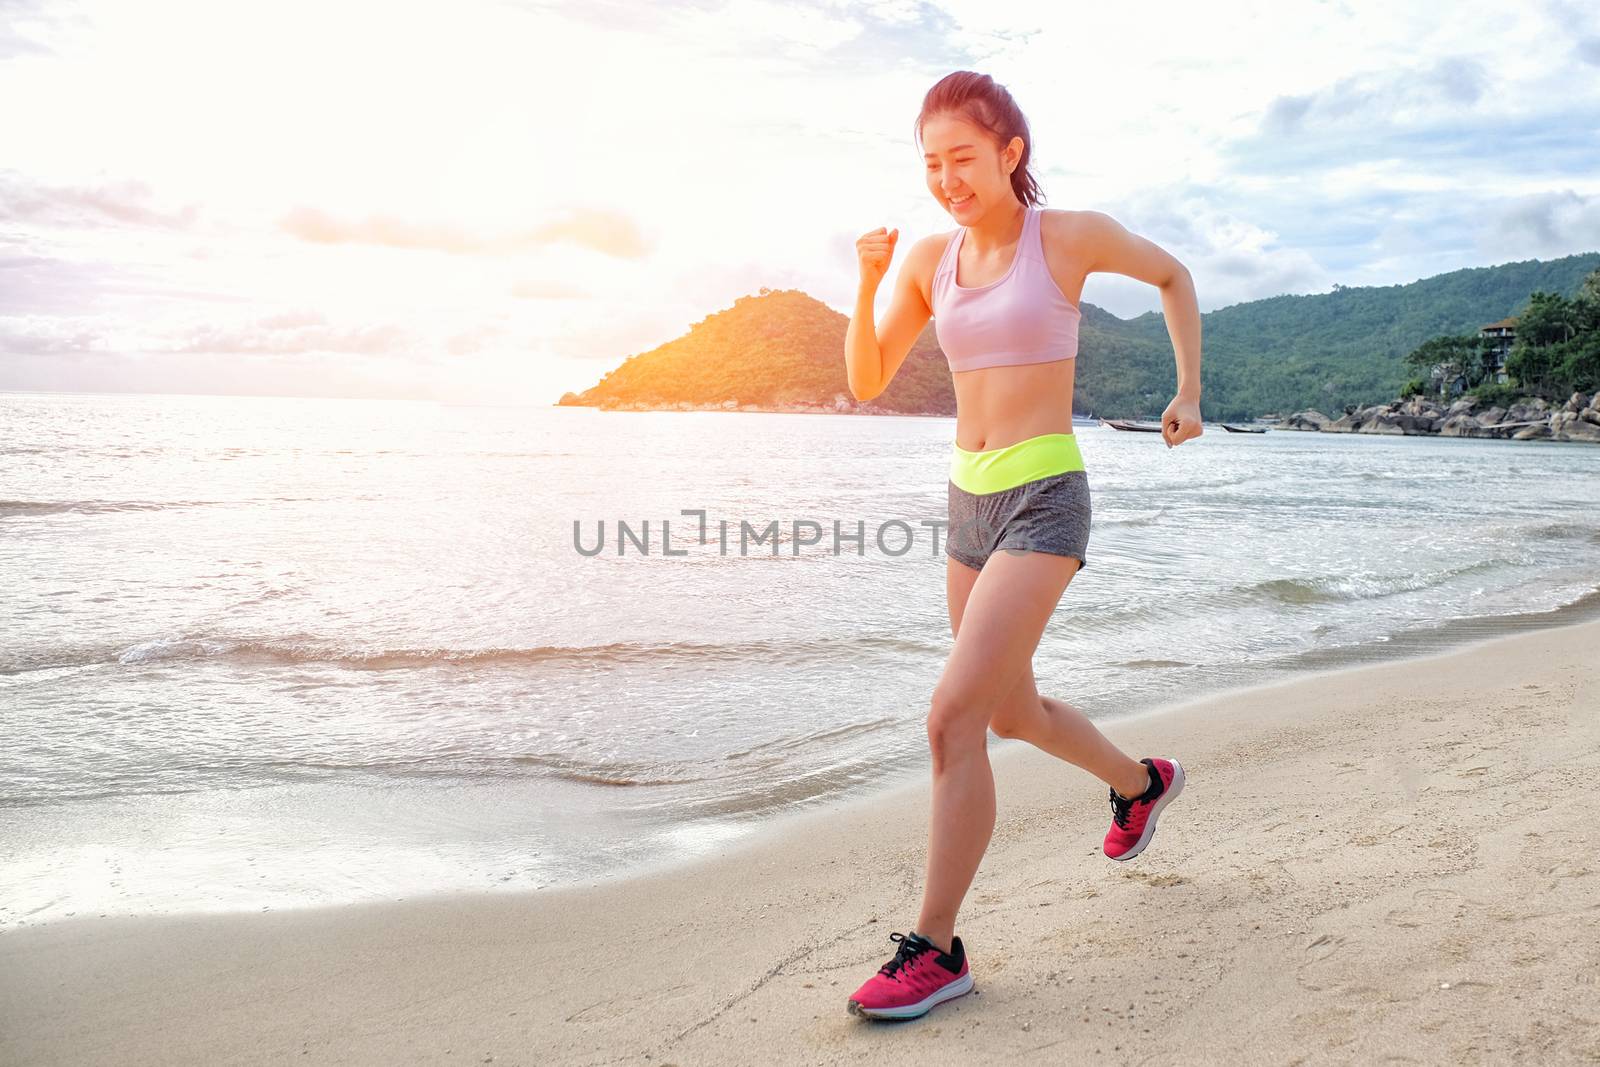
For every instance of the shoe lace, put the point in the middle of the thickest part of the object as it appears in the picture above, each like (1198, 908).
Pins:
(910, 948)
(1120, 806)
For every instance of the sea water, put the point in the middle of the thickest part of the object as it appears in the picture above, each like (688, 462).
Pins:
(271, 652)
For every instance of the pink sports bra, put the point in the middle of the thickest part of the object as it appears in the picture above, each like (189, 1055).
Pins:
(1024, 317)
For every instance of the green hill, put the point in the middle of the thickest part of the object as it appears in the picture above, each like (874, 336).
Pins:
(783, 349)
(780, 350)
(1326, 351)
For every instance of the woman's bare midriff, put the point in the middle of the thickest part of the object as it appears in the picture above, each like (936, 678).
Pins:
(999, 406)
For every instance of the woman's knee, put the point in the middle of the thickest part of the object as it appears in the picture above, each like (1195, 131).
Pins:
(956, 720)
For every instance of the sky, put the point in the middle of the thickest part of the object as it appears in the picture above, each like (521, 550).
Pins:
(486, 201)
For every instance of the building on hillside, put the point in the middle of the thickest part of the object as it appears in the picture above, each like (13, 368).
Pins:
(1439, 386)
(1501, 336)
(1504, 335)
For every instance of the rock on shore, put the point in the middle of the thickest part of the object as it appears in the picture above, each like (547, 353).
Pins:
(1525, 420)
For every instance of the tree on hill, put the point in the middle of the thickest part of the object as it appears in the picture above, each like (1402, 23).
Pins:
(1449, 357)
(1557, 351)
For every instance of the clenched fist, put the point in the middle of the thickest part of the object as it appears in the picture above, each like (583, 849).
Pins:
(874, 251)
(1181, 421)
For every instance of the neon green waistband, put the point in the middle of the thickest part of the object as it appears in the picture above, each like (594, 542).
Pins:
(995, 469)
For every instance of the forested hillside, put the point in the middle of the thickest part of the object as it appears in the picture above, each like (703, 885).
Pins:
(783, 349)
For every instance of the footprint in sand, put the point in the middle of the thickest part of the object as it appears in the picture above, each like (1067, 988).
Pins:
(1158, 880)
(1431, 905)
(1319, 951)
(1323, 947)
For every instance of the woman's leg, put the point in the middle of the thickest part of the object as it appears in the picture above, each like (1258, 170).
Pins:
(1002, 618)
(1050, 724)
(1062, 730)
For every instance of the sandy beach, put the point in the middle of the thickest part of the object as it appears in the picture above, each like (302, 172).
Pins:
(1396, 863)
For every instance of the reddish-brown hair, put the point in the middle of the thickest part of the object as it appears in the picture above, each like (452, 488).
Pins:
(984, 102)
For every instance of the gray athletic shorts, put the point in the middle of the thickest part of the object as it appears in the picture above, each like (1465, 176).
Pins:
(1045, 515)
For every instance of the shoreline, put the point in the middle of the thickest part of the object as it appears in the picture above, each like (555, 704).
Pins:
(694, 840)
(1342, 879)
(1443, 638)
(1525, 431)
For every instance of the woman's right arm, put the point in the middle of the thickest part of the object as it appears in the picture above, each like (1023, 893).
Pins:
(871, 357)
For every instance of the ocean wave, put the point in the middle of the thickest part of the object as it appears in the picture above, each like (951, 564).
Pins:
(1097, 620)
(305, 650)
(1345, 588)
(251, 772)
(1142, 663)
(816, 737)
(24, 508)
(1434, 636)
(1128, 518)
(613, 773)
(566, 767)
(1562, 530)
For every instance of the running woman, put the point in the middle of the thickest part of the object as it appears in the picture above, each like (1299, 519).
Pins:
(998, 291)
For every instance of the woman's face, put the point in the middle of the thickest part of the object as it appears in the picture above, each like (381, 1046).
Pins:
(967, 175)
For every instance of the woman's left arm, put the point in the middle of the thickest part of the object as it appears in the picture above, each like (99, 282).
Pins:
(1110, 248)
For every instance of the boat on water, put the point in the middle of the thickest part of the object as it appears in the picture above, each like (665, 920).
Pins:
(1126, 424)
(1243, 429)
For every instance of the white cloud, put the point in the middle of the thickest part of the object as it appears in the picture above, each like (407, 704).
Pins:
(541, 189)
(1546, 224)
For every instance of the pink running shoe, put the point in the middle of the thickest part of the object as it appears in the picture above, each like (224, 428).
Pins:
(918, 977)
(1133, 821)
